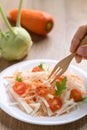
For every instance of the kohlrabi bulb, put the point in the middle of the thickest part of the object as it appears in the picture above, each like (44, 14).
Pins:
(16, 42)
(15, 47)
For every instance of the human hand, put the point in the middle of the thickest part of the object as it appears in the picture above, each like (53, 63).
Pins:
(81, 52)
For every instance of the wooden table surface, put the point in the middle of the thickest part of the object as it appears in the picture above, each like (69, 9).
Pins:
(68, 16)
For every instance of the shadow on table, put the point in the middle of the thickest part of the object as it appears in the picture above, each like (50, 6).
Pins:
(10, 123)
(4, 63)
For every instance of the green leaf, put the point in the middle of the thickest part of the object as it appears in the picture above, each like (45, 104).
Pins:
(19, 79)
(61, 86)
(82, 99)
(40, 66)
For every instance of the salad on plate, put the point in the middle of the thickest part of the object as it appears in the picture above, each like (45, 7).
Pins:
(32, 92)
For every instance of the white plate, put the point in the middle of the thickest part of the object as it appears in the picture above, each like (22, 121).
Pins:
(22, 116)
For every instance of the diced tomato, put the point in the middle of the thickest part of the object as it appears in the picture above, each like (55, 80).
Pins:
(61, 78)
(36, 69)
(42, 90)
(76, 95)
(55, 103)
(20, 87)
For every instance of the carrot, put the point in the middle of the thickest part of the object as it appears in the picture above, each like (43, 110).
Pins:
(42, 90)
(38, 22)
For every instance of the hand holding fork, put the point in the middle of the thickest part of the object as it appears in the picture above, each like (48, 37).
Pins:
(62, 65)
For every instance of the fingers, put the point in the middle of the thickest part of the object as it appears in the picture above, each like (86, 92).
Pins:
(79, 35)
(74, 44)
(82, 51)
(78, 58)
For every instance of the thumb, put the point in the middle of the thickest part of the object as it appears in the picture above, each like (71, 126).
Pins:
(82, 51)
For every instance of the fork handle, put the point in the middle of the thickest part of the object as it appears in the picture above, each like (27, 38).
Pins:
(83, 42)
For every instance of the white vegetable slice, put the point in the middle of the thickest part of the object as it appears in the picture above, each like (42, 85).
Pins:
(45, 102)
(69, 104)
(37, 106)
(50, 96)
(22, 103)
(27, 108)
(50, 113)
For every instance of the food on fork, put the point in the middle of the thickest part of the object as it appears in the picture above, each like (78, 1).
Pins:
(33, 93)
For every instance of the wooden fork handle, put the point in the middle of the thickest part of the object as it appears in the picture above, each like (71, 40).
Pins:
(83, 41)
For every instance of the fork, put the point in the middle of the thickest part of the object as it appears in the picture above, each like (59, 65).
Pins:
(63, 65)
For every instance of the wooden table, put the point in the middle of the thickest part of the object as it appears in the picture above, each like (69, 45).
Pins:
(68, 16)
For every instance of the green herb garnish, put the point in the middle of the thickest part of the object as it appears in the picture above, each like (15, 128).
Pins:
(40, 66)
(82, 99)
(19, 79)
(61, 86)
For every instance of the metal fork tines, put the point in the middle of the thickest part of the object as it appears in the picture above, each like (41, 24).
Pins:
(60, 68)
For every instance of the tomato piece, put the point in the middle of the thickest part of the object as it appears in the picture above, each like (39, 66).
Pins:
(61, 78)
(36, 69)
(55, 103)
(42, 90)
(20, 87)
(76, 95)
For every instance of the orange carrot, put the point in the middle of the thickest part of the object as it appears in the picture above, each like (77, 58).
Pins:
(38, 22)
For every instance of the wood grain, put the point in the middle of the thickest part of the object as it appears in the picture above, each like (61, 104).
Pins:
(68, 16)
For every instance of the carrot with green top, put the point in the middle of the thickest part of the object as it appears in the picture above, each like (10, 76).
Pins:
(38, 22)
